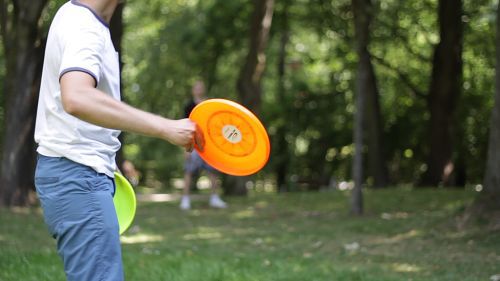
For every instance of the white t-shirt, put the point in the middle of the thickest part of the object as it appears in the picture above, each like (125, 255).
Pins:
(78, 40)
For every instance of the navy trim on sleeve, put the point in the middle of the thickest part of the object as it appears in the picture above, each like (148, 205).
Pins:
(81, 70)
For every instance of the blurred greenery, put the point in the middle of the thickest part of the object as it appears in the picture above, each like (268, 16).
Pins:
(405, 235)
(168, 44)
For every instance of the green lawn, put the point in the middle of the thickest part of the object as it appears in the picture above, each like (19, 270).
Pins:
(404, 235)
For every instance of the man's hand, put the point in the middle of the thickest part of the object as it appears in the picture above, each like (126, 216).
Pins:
(181, 132)
(199, 139)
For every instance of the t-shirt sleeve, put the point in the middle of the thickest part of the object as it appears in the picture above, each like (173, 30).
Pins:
(82, 51)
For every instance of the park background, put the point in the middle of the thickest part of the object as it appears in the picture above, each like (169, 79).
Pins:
(377, 111)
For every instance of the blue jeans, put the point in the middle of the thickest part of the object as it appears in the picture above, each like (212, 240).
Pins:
(195, 164)
(78, 209)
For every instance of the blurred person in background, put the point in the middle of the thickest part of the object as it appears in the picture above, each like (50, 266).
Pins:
(193, 164)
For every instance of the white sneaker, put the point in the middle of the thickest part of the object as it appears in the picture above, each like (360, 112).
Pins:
(216, 202)
(185, 203)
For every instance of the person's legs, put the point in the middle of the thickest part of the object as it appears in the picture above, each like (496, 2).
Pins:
(185, 201)
(192, 166)
(214, 186)
(78, 209)
(215, 200)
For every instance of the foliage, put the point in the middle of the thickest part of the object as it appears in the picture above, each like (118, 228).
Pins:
(478, 87)
(176, 43)
(169, 43)
(2, 75)
(406, 234)
(403, 37)
(406, 46)
(46, 16)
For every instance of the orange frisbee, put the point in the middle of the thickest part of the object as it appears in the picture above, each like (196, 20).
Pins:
(235, 141)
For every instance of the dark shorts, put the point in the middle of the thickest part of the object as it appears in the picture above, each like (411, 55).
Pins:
(195, 164)
(79, 212)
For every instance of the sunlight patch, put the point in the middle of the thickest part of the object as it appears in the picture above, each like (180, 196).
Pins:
(352, 247)
(157, 197)
(405, 267)
(20, 210)
(399, 237)
(396, 215)
(244, 214)
(262, 204)
(495, 277)
(141, 238)
(202, 236)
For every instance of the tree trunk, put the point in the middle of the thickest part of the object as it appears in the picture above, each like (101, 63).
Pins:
(249, 80)
(491, 193)
(235, 186)
(377, 164)
(444, 93)
(24, 49)
(249, 86)
(362, 10)
(281, 146)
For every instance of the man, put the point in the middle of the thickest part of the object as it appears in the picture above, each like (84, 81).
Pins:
(79, 118)
(193, 162)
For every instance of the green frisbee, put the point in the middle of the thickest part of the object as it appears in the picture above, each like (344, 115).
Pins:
(125, 202)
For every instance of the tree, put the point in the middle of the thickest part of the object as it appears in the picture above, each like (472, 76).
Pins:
(377, 163)
(249, 80)
(491, 195)
(444, 92)
(23, 42)
(180, 41)
(281, 144)
(364, 85)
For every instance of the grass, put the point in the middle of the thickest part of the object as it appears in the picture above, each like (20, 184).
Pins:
(404, 235)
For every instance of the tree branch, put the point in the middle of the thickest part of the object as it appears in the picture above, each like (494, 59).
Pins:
(405, 78)
(404, 39)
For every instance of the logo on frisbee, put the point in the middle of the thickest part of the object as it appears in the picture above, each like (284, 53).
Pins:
(231, 134)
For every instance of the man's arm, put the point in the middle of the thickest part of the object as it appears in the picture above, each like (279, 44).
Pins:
(82, 100)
